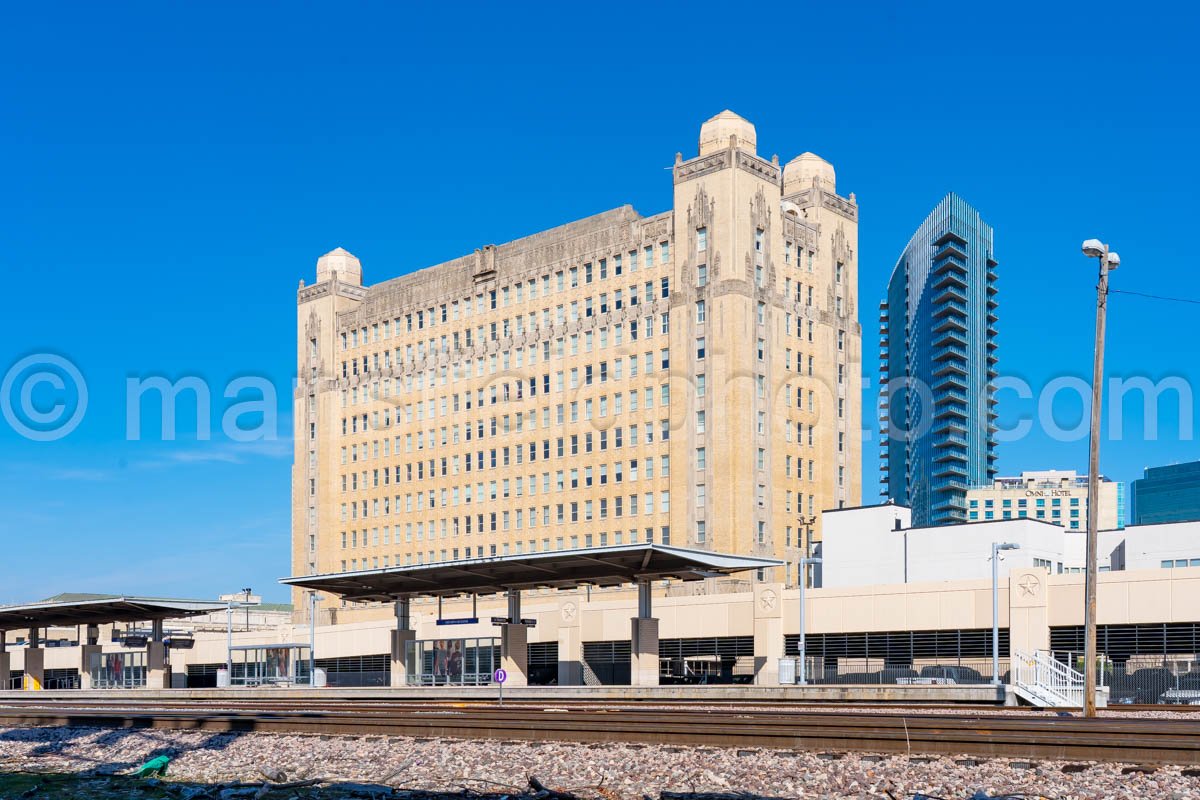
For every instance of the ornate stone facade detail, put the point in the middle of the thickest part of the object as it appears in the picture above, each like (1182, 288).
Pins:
(844, 207)
(701, 166)
(756, 166)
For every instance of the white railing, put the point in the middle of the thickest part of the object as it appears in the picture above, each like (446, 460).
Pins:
(1052, 681)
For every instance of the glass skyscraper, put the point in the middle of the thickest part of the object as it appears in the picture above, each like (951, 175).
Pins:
(938, 361)
(1167, 494)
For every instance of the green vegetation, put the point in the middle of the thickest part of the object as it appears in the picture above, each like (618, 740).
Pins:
(41, 786)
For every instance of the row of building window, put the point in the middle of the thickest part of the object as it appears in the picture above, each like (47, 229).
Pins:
(621, 506)
(1055, 515)
(634, 536)
(517, 389)
(573, 344)
(563, 480)
(1024, 503)
(586, 307)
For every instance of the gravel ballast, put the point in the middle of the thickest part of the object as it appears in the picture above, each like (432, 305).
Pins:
(605, 771)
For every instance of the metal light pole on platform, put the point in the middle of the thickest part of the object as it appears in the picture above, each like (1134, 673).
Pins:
(1094, 248)
(996, 548)
(802, 667)
(312, 638)
(247, 591)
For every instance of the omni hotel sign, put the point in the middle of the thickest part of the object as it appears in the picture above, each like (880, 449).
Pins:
(1048, 493)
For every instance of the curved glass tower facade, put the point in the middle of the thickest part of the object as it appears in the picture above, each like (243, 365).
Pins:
(937, 363)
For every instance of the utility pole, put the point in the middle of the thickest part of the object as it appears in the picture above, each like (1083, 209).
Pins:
(1094, 248)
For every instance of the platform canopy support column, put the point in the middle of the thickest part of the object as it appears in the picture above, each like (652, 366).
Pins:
(570, 641)
(89, 646)
(35, 662)
(401, 637)
(768, 632)
(643, 649)
(514, 643)
(5, 663)
(158, 671)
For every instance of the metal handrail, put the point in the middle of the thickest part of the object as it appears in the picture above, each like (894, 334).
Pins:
(1042, 674)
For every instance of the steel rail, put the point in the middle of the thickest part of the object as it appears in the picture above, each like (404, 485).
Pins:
(1035, 738)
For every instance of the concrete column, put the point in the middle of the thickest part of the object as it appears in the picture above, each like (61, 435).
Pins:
(35, 663)
(401, 636)
(570, 642)
(158, 673)
(1027, 618)
(158, 667)
(643, 641)
(514, 606)
(85, 664)
(514, 653)
(35, 669)
(643, 652)
(400, 640)
(768, 632)
(5, 662)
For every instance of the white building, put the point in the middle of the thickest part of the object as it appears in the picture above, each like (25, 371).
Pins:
(877, 545)
(1166, 545)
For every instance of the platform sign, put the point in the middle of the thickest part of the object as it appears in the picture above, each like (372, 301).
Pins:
(500, 676)
(459, 621)
(526, 621)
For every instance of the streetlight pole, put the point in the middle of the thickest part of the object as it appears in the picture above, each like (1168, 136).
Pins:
(229, 641)
(312, 638)
(996, 548)
(1094, 248)
(802, 667)
(805, 543)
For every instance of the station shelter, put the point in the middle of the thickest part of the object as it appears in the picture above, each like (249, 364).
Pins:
(140, 661)
(452, 661)
(269, 664)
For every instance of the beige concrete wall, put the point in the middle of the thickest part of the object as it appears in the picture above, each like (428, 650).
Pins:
(1033, 603)
(1130, 597)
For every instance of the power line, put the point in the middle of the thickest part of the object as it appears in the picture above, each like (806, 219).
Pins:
(1155, 296)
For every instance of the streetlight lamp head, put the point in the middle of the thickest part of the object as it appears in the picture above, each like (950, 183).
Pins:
(1093, 248)
(1008, 546)
(1114, 261)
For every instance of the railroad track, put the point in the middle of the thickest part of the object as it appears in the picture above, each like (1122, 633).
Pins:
(1129, 740)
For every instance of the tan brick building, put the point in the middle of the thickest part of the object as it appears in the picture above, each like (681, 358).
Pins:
(690, 377)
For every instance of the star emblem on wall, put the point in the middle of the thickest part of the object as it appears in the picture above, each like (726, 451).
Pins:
(767, 600)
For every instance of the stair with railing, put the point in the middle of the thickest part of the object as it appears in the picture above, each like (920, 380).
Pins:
(1042, 680)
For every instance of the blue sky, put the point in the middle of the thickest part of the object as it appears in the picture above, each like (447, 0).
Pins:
(171, 171)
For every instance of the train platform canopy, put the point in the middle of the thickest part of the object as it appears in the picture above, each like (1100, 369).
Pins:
(100, 609)
(561, 569)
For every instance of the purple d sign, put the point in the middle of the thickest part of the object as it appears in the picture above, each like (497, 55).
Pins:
(499, 676)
